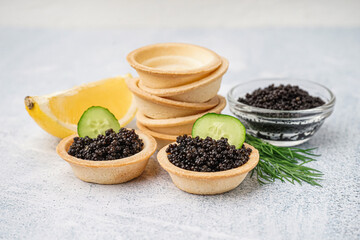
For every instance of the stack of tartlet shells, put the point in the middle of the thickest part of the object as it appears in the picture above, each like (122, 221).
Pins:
(177, 84)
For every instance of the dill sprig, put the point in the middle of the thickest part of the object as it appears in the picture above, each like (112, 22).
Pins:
(284, 163)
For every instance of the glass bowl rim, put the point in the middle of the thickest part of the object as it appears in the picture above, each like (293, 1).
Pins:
(244, 107)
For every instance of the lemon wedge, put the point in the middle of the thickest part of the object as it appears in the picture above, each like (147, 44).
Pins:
(58, 113)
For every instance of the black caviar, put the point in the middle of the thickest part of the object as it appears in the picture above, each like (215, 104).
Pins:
(206, 155)
(282, 97)
(110, 146)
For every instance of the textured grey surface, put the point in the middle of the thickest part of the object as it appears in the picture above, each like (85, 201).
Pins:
(40, 198)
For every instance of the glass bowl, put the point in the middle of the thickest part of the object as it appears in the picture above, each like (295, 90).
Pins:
(281, 127)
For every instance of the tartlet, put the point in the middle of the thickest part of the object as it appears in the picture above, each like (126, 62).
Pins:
(206, 183)
(166, 65)
(158, 107)
(162, 139)
(111, 171)
(198, 91)
(176, 126)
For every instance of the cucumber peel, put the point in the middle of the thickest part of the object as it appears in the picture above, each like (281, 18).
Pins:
(96, 120)
(217, 126)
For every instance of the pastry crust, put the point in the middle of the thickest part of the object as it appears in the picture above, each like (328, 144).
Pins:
(161, 138)
(160, 108)
(176, 126)
(207, 182)
(166, 65)
(112, 171)
(198, 91)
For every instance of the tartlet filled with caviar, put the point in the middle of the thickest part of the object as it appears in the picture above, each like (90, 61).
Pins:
(207, 166)
(204, 165)
(103, 152)
(107, 161)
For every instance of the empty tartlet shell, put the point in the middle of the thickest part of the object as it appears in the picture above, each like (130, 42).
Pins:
(161, 138)
(160, 108)
(111, 171)
(176, 126)
(199, 62)
(198, 91)
(205, 183)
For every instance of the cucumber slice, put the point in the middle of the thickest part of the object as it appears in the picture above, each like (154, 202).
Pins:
(217, 126)
(96, 120)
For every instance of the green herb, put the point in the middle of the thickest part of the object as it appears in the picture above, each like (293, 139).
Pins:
(283, 163)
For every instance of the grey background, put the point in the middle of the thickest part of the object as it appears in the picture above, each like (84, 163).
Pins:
(40, 198)
(179, 13)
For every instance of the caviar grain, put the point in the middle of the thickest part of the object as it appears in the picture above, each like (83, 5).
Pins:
(282, 97)
(206, 155)
(110, 146)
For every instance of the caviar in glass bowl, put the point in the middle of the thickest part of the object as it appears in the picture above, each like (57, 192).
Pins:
(280, 126)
